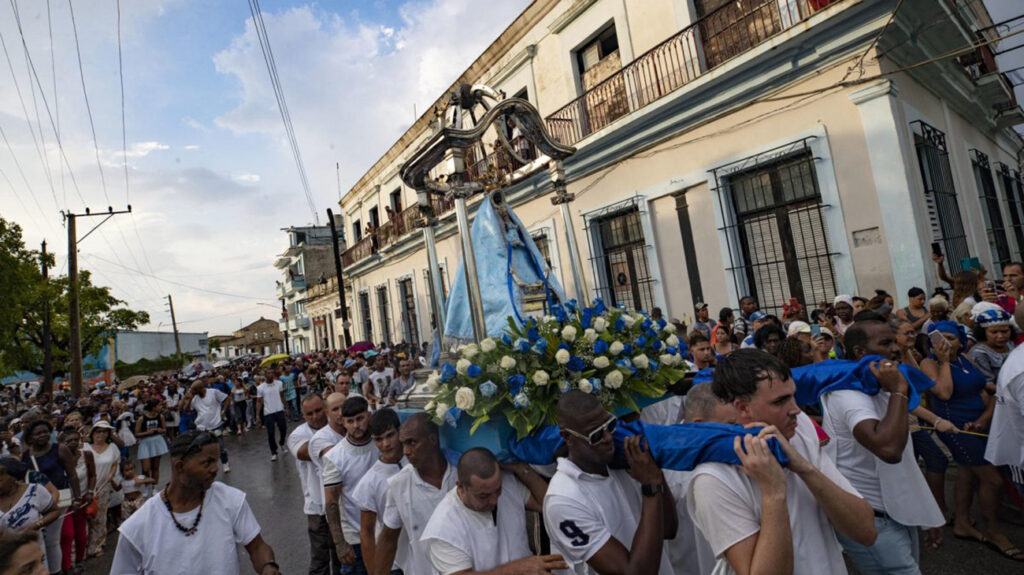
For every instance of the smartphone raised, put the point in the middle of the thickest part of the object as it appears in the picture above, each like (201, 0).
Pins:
(815, 330)
(937, 339)
(936, 248)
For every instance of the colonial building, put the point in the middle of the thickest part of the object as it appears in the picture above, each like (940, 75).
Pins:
(261, 337)
(308, 259)
(776, 148)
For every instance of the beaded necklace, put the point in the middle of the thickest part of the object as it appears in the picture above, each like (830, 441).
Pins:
(188, 531)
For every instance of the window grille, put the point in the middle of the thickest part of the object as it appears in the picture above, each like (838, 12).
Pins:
(944, 219)
(364, 313)
(410, 326)
(995, 231)
(384, 311)
(775, 228)
(621, 256)
(1014, 203)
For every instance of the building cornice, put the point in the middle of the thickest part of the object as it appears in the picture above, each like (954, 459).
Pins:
(572, 13)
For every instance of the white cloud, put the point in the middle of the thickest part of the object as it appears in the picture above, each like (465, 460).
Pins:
(143, 149)
(190, 147)
(194, 124)
(246, 178)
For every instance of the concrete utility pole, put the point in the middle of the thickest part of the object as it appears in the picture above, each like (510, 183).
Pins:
(341, 280)
(47, 338)
(174, 323)
(75, 321)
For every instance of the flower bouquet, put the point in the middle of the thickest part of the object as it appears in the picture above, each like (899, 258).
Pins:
(623, 359)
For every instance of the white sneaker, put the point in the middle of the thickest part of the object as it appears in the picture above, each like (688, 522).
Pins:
(227, 468)
(273, 457)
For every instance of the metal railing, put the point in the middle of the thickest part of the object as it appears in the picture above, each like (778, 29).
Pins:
(725, 33)
(390, 232)
(498, 160)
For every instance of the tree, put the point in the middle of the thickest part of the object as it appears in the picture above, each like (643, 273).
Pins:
(21, 325)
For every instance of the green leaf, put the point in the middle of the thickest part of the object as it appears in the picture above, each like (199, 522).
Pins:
(479, 420)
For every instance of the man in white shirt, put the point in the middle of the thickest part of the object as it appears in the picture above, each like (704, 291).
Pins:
(329, 435)
(379, 380)
(371, 492)
(872, 449)
(172, 397)
(343, 466)
(701, 350)
(606, 520)
(189, 522)
(412, 495)
(402, 383)
(743, 512)
(210, 405)
(480, 525)
(270, 398)
(1006, 433)
(321, 548)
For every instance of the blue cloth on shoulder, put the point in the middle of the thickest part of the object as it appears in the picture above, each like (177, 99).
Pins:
(813, 381)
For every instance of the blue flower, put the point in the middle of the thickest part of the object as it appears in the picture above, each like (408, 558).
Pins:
(596, 382)
(587, 318)
(572, 305)
(522, 346)
(515, 383)
(488, 388)
(653, 365)
(575, 364)
(540, 347)
(473, 370)
(506, 339)
(624, 364)
(520, 401)
(532, 334)
(640, 342)
(684, 350)
(564, 386)
(662, 323)
(451, 417)
(646, 325)
(559, 312)
(670, 350)
(656, 344)
(620, 324)
(564, 346)
(447, 372)
(600, 347)
(627, 349)
(599, 307)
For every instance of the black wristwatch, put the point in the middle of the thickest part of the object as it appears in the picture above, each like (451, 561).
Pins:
(652, 489)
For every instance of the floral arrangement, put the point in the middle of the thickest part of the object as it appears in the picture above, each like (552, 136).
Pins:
(607, 352)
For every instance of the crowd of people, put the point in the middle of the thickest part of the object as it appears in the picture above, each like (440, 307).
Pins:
(863, 479)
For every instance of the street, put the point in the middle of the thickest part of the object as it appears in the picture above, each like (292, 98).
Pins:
(275, 495)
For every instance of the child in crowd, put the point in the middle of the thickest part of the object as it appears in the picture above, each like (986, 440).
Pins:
(132, 485)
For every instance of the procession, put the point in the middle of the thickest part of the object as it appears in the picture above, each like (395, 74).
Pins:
(646, 287)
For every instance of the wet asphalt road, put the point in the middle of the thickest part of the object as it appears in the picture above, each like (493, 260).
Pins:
(275, 495)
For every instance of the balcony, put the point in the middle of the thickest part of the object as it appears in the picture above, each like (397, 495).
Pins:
(731, 30)
(392, 231)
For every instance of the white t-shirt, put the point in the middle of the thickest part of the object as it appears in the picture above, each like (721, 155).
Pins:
(208, 409)
(172, 397)
(459, 538)
(666, 412)
(323, 438)
(1006, 433)
(33, 504)
(150, 542)
(380, 381)
(270, 393)
(105, 463)
(583, 511)
(726, 506)
(309, 473)
(371, 495)
(347, 464)
(409, 504)
(689, 552)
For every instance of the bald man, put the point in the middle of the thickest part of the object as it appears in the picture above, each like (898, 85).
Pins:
(606, 520)
(480, 526)
(329, 435)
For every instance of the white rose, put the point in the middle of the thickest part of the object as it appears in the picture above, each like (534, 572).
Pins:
(488, 345)
(462, 365)
(614, 379)
(585, 386)
(562, 356)
(615, 348)
(465, 398)
(440, 410)
(541, 377)
(507, 362)
(601, 362)
(672, 340)
(590, 335)
(669, 328)
(433, 382)
(569, 333)
(628, 321)
(600, 324)
(640, 361)
(666, 359)
(550, 319)
(470, 351)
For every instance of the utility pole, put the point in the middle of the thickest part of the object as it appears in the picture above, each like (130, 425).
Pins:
(341, 280)
(174, 323)
(47, 338)
(75, 321)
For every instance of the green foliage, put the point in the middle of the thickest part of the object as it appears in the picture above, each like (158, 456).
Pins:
(146, 366)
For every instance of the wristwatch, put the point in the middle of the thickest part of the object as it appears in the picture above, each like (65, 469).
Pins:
(652, 489)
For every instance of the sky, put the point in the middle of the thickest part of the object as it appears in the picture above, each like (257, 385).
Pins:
(210, 176)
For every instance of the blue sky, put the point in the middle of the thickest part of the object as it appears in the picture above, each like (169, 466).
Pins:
(211, 178)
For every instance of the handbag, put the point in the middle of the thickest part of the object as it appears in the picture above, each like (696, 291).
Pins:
(92, 508)
(64, 495)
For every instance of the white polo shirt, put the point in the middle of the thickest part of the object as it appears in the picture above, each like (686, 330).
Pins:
(309, 474)
(408, 506)
(1006, 433)
(347, 464)
(208, 409)
(270, 393)
(323, 438)
(583, 511)
(726, 506)
(898, 489)
(460, 538)
(371, 495)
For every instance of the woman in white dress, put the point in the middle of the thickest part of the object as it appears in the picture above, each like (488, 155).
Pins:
(106, 458)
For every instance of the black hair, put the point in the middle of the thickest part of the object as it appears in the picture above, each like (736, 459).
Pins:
(10, 542)
(573, 405)
(423, 420)
(792, 350)
(353, 406)
(1011, 264)
(14, 467)
(738, 374)
(382, 421)
(868, 315)
(746, 298)
(764, 332)
(862, 300)
(725, 312)
(915, 291)
(477, 462)
(190, 443)
(857, 334)
(695, 337)
(980, 332)
(32, 425)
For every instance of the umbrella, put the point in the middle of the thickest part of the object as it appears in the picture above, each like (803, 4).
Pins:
(221, 363)
(272, 359)
(360, 346)
(132, 382)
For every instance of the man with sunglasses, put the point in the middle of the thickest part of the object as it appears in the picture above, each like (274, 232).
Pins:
(192, 519)
(606, 520)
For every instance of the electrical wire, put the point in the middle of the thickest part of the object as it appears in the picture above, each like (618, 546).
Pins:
(28, 186)
(56, 100)
(88, 108)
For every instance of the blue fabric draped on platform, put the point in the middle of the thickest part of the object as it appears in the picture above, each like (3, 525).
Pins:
(501, 250)
(812, 381)
(678, 447)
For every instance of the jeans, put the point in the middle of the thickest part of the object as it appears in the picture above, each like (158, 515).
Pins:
(323, 559)
(271, 420)
(293, 406)
(359, 568)
(51, 540)
(895, 552)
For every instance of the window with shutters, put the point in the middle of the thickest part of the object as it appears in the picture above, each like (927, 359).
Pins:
(778, 238)
(943, 209)
(1014, 204)
(410, 325)
(995, 231)
(364, 313)
(384, 312)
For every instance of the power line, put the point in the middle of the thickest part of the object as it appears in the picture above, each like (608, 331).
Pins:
(180, 284)
(28, 186)
(88, 108)
(56, 100)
